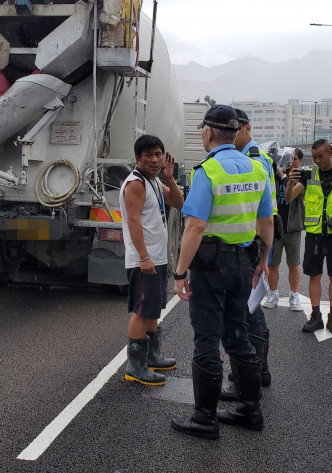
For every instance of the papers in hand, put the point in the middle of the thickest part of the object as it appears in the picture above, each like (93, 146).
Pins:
(258, 293)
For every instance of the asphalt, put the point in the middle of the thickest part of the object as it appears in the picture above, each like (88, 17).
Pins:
(54, 344)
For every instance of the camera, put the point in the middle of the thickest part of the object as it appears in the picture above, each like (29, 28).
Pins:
(305, 173)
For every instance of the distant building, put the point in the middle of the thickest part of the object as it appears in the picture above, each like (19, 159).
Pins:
(296, 123)
(267, 119)
(299, 122)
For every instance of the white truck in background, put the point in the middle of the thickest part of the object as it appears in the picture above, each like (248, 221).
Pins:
(80, 81)
(193, 146)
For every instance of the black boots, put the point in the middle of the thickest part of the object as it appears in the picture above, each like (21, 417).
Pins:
(203, 423)
(329, 322)
(227, 392)
(266, 375)
(247, 380)
(137, 367)
(155, 361)
(144, 357)
(262, 347)
(315, 323)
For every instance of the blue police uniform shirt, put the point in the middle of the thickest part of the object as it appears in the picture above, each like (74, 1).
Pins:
(261, 158)
(266, 165)
(200, 198)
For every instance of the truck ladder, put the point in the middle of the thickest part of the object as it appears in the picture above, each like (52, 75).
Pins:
(146, 66)
(143, 102)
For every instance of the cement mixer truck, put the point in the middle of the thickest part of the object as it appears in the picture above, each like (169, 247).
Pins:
(79, 82)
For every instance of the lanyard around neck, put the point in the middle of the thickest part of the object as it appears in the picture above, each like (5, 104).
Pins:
(160, 198)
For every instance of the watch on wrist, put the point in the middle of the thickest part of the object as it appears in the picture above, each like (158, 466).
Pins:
(179, 276)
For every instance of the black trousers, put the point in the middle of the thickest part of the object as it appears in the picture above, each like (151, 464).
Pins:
(218, 310)
(256, 322)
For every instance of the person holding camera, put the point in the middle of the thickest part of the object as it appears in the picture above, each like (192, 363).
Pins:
(229, 194)
(317, 184)
(292, 215)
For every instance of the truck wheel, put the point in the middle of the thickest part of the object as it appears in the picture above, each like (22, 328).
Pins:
(113, 289)
(5, 277)
(9, 262)
(123, 290)
(173, 239)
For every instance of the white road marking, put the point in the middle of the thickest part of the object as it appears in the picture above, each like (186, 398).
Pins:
(38, 446)
(322, 334)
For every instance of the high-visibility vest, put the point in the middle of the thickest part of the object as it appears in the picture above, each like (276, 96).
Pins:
(314, 205)
(272, 177)
(236, 199)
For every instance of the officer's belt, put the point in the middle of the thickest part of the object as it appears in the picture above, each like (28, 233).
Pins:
(222, 246)
(208, 257)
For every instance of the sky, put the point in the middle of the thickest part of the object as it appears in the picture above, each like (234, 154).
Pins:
(213, 32)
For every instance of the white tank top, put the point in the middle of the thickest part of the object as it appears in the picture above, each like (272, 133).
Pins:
(154, 228)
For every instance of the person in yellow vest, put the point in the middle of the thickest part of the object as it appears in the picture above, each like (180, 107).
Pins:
(318, 224)
(229, 194)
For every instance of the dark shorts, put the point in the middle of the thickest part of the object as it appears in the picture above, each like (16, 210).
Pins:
(147, 294)
(292, 244)
(316, 249)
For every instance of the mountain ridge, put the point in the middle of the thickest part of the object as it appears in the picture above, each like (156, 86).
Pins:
(253, 78)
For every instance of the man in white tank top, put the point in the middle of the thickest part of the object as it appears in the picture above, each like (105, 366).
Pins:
(142, 201)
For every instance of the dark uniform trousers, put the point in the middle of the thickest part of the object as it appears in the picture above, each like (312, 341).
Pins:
(256, 322)
(218, 310)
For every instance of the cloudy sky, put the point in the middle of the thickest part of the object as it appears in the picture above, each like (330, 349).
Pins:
(213, 32)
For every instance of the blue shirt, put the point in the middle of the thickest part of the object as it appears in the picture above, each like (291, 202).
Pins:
(200, 198)
(261, 158)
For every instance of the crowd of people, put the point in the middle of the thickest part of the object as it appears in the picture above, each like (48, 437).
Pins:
(239, 199)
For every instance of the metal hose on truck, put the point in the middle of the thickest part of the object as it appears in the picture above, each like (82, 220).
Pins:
(55, 200)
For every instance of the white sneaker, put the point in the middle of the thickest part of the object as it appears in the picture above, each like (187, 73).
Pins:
(272, 300)
(294, 301)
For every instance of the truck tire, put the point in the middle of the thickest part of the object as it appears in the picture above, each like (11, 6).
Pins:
(123, 290)
(115, 289)
(9, 262)
(5, 276)
(173, 226)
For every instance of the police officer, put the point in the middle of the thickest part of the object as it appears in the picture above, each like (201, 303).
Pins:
(245, 143)
(228, 196)
(258, 330)
(259, 334)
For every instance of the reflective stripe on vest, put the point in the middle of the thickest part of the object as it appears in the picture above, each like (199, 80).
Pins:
(235, 208)
(272, 179)
(236, 199)
(314, 204)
